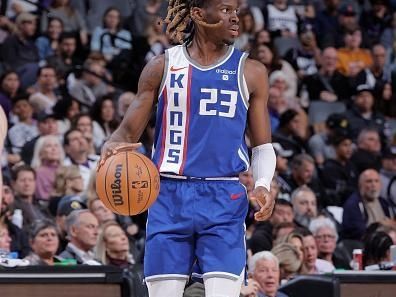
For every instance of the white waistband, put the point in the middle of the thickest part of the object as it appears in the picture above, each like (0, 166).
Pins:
(173, 176)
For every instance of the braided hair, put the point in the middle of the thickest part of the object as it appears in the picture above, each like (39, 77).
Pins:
(180, 22)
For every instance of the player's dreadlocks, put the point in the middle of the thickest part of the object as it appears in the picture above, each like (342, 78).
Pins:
(180, 23)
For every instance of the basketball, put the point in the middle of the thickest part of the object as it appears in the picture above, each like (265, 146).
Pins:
(128, 182)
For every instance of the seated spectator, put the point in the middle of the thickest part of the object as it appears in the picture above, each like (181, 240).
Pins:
(289, 261)
(26, 128)
(313, 265)
(365, 207)
(326, 236)
(110, 38)
(264, 269)
(64, 59)
(104, 116)
(352, 58)
(5, 238)
(282, 230)
(328, 84)
(261, 238)
(320, 145)
(71, 18)
(100, 211)
(304, 204)
(84, 123)
(123, 103)
(46, 126)
(9, 90)
(24, 186)
(362, 114)
(77, 150)
(376, 248)
(295, 239)
(388, 175)
(48, 156)
(65, 110)
(46, 95)
(156, 38)
(339, 175)
(277, 104)
(82, 233)
(368, 150)
(44, 241)
(281, 19)
(19, 52)
(48, 43)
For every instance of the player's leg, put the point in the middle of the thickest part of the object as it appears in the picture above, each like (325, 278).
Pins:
(223, 287)
(169, 250)
(166, 288)
(220, 244)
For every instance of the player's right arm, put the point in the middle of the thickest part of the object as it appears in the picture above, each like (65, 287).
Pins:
(138, 113)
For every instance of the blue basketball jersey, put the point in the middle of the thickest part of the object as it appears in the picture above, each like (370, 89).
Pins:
(201, 116)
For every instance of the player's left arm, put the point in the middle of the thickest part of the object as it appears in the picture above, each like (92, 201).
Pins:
(263, 156)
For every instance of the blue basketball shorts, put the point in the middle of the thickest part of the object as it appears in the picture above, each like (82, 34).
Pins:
(196, 222)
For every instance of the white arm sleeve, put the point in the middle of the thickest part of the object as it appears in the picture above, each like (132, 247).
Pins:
(263, 165)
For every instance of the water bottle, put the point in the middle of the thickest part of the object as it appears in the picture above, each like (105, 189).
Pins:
(17, 218)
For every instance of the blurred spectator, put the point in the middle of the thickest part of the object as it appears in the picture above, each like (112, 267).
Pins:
(246, 30)
(282, 230)
(64, 59)
(19, 51)
(156, 39)
(5, 239)
(281, 158)
(48, 156)
(304, 204)
(387, 38)
(246, 179)
(277, 104)
(278, 80)
(368, 150)
(45, 96)
(375, 20)
(103, 114)
(328, 84)
(123, 103)
(388, 175)
(295, 239)
(320, 145)
(100, 211)
(77, 150)
(289, 133)
(9, 89)
(362, 114)
(15, 7)
(313, 265)
(302, 173)
(326, 23)
(264, 268)
(65, 110)
(281, 19)
(305, 58)
(349, 13)
(90, 86)
(44, 241)
(365, 207)
(26, 128)
(48, 43)
(83, 122)
(289, 261)
(376, 248)
(110, 39)
(261, 238)
(339, 175)
(24, 186)
(71, 18)
(352, 58)
(143, 15)
(326, 236)
(46, 125)
(82, 232)
(268, 55)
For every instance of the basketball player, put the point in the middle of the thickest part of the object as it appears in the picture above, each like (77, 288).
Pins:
(3, 133)
(206, 92)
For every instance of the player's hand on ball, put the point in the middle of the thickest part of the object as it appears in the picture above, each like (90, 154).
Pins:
(262, 196)
(111, 148)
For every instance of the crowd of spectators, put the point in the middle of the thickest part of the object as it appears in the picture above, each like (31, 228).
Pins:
(69, 70)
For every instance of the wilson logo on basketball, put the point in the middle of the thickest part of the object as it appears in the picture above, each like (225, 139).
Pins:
(116, 186)
(140, 184)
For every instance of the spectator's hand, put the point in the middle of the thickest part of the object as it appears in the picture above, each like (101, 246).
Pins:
(263, 197)
(328, 96)
(251, 289)
(388, 222)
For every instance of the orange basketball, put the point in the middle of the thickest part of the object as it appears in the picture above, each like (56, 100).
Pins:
(128, 183)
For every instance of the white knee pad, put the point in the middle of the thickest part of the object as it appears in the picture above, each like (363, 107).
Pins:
(218, 286)
(166, 288)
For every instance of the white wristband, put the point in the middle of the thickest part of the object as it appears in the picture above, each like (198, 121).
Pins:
(263, 165)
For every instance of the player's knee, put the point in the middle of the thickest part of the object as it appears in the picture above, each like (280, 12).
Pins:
(166, 288)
